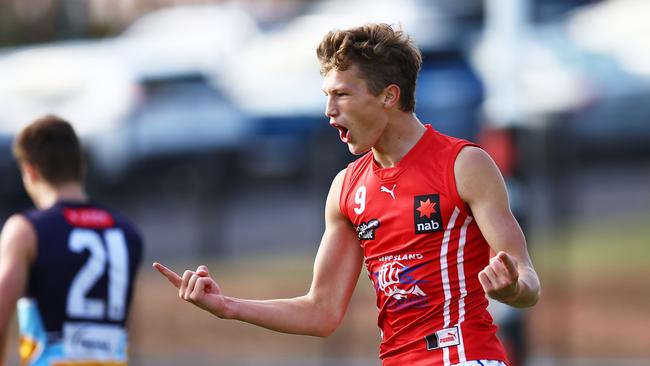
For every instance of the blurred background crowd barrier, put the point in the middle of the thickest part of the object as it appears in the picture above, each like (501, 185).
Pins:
(204, 122)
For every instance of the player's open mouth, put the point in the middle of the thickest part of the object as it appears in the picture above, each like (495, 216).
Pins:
(343, 132)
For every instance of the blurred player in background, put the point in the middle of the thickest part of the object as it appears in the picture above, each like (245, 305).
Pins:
(424, 211)
(69, 264)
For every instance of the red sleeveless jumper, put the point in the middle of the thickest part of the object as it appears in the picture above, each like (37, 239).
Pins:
(423, 252)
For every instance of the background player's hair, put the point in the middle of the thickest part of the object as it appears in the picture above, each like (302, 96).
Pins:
(51, 145)
(382, 55)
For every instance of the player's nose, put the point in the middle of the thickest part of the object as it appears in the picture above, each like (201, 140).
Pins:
(330, 108)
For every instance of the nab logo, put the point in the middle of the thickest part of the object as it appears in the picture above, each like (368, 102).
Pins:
(426, 212)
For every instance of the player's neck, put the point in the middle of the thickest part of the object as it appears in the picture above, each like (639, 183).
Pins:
(69, 192)
(398, 139)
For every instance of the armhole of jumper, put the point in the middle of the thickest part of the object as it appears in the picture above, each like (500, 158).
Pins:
(451, 176)
(345, 190)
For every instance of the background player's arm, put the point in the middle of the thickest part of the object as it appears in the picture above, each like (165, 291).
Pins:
(320, 311)
(510, 276)
(17, 250)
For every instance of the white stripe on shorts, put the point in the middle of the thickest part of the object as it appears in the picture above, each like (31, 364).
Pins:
(481, 363)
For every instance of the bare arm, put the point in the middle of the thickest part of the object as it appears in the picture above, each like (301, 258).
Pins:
(510, 276)
(319, 312)
(17, 250)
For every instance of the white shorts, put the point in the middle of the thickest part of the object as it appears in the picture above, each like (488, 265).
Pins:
(481, 363)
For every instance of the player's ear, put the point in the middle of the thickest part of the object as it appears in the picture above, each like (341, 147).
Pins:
(29, 171)
(391, 96)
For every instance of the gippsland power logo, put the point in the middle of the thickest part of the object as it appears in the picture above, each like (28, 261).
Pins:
(394, 279)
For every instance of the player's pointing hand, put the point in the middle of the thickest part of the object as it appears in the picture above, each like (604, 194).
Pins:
(169, 274)
(196, 287)
(500, 278)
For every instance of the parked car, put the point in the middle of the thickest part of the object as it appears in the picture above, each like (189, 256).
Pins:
(178, 120)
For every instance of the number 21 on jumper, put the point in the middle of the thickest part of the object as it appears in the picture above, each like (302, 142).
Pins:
(107, 252)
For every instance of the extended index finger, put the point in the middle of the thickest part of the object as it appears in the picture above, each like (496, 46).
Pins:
(171, 275)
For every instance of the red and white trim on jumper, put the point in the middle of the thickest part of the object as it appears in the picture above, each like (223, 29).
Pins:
(444, 268)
